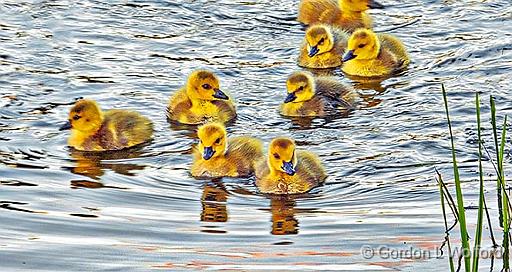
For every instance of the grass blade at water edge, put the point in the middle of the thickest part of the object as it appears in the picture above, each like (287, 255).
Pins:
(479, 224)
(506, 214)
(503, 200)
(498, 182)
(460, 199)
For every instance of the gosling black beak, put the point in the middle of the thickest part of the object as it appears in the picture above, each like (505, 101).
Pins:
(208, 153)
(220, 95)
(348, 56)
(375, 5)
(288, 168)
(66, 126)
(313, 51)
(290, 98)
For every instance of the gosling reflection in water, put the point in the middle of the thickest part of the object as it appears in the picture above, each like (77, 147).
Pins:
(92, 165)
(306, 123)
(213, 202)
(369, 83)
(283, 215)
(186, 131)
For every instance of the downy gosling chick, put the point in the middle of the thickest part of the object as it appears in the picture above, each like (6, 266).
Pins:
(216, 156)
(288, 171)
(201, 100)
(323, 47)
(95, 130)
(373, 55)
(323, 96)
(347, 14)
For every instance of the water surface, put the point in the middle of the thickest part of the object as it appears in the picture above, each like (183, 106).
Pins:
(140, 210)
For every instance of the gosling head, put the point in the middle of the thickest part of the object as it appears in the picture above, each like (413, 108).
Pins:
(363, 45)
(85, 116)
(281, 156)
(213, 139)
(319, 40)
(300, 87)
(359, 5)
(204, 85)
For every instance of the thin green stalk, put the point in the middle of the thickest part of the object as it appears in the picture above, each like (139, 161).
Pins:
(458, 189)
(479, 224)
(506, 222)
(500, 167)
(503, 201)
(489, 224)
(495, 134)
(449, 198)
(447, 232)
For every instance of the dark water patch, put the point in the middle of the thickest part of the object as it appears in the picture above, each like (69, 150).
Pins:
(11, 205)
(84, 215)
(90, 79)
(16, 183)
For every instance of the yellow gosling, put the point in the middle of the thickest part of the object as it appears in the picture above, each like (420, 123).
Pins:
(323, 47)
(323, 96)
(216, 156)
(95, 130)
(288, 171)
(374, 55)
(347, 14)
(201, 100)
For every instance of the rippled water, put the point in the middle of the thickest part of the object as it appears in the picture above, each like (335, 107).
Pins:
(136, 211)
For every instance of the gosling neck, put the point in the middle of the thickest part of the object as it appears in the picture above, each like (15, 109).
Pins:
(274, 172)
(196, 101)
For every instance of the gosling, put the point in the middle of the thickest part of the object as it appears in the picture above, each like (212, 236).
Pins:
(95, 130)
(323, 47)
(374, 55)
(201, 100)
(288, 171)
(323, 96)
(347, 14)
(216, 156)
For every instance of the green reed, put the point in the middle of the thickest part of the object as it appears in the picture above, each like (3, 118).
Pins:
(458, 189)
(503, 198)
(481, 197)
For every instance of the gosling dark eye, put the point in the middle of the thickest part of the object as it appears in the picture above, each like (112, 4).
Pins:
(206, 86)
(277, 156)
(301, 88)
(321, 41)
(76, 117)
(217, 141)
(361, 45)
